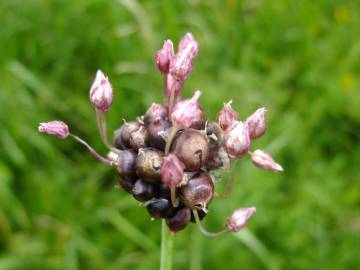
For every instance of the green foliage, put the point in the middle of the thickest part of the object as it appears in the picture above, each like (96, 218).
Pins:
(300, 59)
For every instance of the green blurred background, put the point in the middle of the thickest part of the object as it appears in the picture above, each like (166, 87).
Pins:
(300, 59)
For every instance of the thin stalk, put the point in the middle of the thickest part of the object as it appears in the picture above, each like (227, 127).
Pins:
(230, 181)
(174, 199)
(101, 122)
(92, 150)
(166, 248)
(203, 230)
(170, 138)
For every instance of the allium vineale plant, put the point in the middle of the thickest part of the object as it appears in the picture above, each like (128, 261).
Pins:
(168, 157)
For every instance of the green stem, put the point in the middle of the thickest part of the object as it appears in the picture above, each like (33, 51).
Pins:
(166, 248)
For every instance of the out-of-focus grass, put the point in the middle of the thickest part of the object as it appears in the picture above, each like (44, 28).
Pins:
(300, 59)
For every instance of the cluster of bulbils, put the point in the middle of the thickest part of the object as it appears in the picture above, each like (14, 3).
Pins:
(167, 157)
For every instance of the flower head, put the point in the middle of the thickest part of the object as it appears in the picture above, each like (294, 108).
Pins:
(187, 113)
(56, 128)
(227, 117)
(101, 92)
(256, 123)
(238, 218)
(263, 160)
(237, 140)
(164, 56)
(172, 171)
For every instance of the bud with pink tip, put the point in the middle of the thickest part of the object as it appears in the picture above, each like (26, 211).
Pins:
(56, 128)
(172, 170)
(238, 219)
(257, 123)
(237, 140)
(181, 65)
(101, 92)
(164, 56)
(263, 160)
(187, 113)
(227, 117)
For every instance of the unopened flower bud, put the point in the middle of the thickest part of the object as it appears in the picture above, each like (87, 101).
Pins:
(263, 160)
(164, 56)
(101, 92)
(238, 219)
(188, 41)
(237, 140)
(227, 117)
(187, 113)
(172, 170)
(56, 128)
(256, 123)
(181, 65)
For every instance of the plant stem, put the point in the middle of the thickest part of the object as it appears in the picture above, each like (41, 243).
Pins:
(101, 122)
(166, 248)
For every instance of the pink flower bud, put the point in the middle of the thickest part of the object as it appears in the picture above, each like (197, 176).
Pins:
(238, 219)
(227, 117)
(187, 113)
(263, 160)
(181, 65)
(164, 56)
(189, 41)
(237, 140)
(256, 123)
(56, 128)
(101, 92)
(172, 170)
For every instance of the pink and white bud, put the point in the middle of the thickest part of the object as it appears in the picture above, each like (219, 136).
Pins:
(189, 41)
(263, 160)
(257, 123)
(101, 92)
(181, 65)
(172, 170)
(239, 218)
(227, 117)
(237, 140)
(164, 56)
(187, 113)
(56, 128)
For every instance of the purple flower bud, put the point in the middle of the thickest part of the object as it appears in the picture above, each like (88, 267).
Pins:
(227, 117)
(237, 140)
(256, 123)
(172, 171)
(164, 56)
(263, 160)
(101, 92)
(181, 65)
(188, 113)
(238, 219)
(56, 128)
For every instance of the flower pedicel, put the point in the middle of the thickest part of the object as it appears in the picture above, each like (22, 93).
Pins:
(167, 158)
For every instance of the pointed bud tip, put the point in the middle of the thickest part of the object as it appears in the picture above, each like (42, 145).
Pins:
(265, 161)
